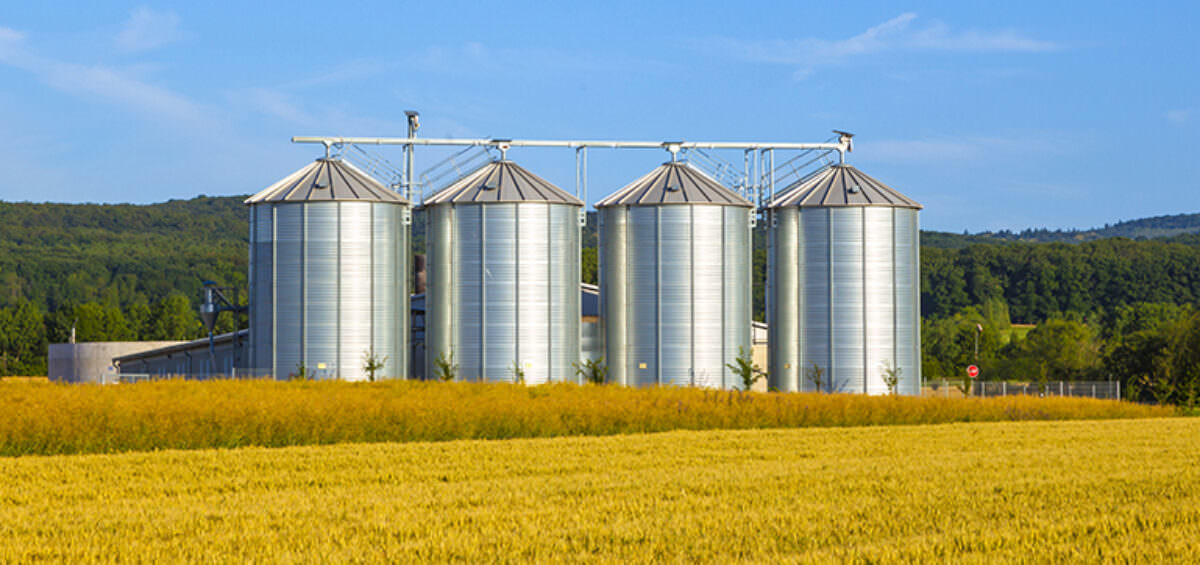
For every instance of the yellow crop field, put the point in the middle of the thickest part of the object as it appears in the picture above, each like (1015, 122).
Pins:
(1041, 492)
(44, 419)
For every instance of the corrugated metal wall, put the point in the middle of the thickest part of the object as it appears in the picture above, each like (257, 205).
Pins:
(328, 285)
(843, 294)
(504, 290)
(675, 293)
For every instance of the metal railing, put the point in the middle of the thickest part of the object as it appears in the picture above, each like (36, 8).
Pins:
(944, 388)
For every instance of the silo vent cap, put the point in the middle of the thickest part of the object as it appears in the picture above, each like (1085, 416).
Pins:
(854, 189)
(673, 187)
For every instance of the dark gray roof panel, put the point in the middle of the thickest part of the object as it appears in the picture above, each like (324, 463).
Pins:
(674, 183)
(327, 180)
(841, 185)
(501, 181)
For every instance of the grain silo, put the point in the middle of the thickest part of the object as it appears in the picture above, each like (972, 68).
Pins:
(502, 297)
(327, 275)
(843, 289)
(675, 279)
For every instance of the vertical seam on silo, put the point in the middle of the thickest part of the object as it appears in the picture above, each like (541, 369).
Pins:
(337, 357)
(371, 274)
(517, 284)
(274, 293)
(916, 297)
(866, 334)
(691, 293)
(829, 293)
(551, 347)
(658, 294)
(895, 307)
(724, 298)
(304, 285)
(483, 317)
(797, 273)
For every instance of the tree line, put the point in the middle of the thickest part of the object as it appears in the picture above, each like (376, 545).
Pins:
(1105, 309)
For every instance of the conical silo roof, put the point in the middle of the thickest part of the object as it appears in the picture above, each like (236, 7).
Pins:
(327, 179)
(841, 185)
(674, 183)
(501, 181)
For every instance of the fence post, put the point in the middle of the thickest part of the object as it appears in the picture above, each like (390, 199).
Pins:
(1060, 388)
(1118, 390)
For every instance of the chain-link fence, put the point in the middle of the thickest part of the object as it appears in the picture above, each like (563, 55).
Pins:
(1109, 390)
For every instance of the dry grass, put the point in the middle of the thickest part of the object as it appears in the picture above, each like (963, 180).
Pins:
(63, 419)
(1042, 492)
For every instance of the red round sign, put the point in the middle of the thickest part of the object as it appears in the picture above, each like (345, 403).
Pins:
(972, 371)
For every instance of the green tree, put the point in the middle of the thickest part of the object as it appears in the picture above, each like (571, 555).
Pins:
(173, 318)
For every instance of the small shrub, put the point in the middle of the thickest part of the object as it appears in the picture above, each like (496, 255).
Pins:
(592, 370)
(816, 375)
(518, 372)
(446, 368)
(372, 363)
(743, 366)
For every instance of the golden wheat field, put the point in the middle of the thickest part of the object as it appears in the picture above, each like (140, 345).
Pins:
(44, 419)
(1049, 492)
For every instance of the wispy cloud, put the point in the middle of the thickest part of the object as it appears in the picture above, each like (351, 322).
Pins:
(1179, 116)
(900, 33)
(147, 29)
(109, 83)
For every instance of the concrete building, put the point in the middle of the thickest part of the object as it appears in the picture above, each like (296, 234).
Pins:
(92, 362)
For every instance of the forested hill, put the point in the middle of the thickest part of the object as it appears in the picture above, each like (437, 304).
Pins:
(1158, 227)
(119, 254)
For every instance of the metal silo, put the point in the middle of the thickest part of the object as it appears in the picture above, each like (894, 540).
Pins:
(327, 274)
(675, 287)
(503, 277)
(843, 289)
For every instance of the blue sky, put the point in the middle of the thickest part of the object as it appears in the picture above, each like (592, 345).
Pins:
(993, 115)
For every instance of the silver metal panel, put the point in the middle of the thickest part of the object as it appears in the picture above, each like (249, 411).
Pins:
(566, 309)
(873, 321)
(289, 289)
(908, 296)
(509, 289)
(675, 304)
(321, 292)
(815, 324)
(440, 291)
(261, 296)
(500, 291)
(709, 299)
(388, 290)
(326, 282)
(847, 373)
(682, 275)
(614, 292)
(642, 272)
(354, 293)
(467, 327)
(879, 296)
(533, 292)
(784, 301)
